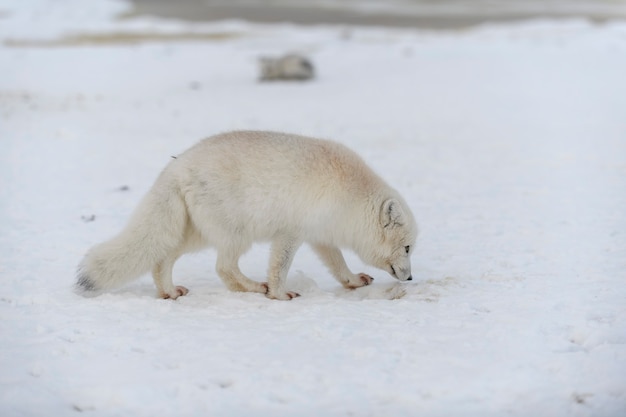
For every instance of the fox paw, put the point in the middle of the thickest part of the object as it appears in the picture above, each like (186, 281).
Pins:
(288, 295)
(359, 280)
(260, 287)
(178, 291)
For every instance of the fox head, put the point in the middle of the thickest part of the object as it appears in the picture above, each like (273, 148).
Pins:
(397, 233)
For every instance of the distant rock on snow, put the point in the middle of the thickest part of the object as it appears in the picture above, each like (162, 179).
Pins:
(290, 67)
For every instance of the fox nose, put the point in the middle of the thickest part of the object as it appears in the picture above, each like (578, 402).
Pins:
(410, 278)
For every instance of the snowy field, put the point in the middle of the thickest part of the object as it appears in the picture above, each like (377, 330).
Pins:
(509, 143)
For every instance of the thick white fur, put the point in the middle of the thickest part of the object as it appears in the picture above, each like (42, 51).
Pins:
(237, 188)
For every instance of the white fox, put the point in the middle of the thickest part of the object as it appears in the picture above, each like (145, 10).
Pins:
(237, 188)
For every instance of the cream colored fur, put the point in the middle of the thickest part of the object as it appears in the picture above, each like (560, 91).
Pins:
(237, 188)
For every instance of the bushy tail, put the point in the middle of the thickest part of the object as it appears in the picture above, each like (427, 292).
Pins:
(155, 230)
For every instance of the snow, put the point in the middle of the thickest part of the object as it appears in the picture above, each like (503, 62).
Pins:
(508, 141)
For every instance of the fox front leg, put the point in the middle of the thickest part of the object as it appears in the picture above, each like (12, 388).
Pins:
(333, 259)
(281, 256)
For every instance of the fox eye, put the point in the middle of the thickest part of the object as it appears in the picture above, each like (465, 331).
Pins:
(407, 249)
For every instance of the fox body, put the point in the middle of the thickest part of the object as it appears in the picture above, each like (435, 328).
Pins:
(237, 188)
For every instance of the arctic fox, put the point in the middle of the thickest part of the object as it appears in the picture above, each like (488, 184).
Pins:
(237, 188)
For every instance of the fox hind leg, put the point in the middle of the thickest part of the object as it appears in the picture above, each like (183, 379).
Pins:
(162, 275)
(228, 270)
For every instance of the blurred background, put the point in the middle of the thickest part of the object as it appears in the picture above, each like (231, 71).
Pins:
(433, 14)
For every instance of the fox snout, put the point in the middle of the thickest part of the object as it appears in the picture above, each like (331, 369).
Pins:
(401, 274)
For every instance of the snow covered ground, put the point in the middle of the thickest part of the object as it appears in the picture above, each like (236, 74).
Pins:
(509, 142)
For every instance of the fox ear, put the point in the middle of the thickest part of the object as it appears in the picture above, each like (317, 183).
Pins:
(391, 213)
